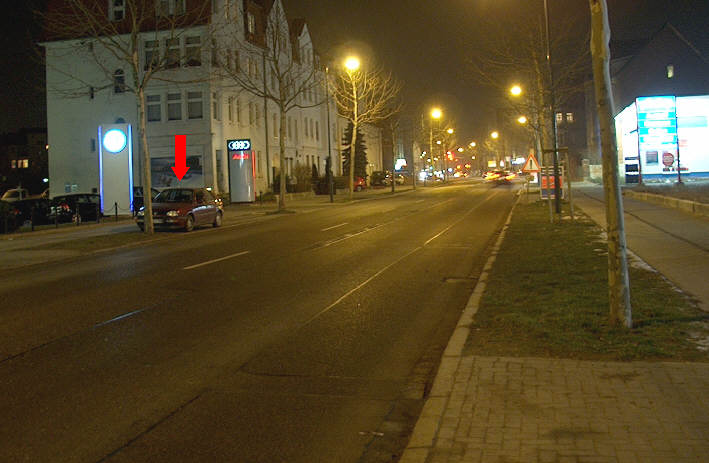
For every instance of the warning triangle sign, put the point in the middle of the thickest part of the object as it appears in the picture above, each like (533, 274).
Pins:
(531, 165)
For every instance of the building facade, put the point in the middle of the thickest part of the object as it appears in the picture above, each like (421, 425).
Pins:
(194, 94)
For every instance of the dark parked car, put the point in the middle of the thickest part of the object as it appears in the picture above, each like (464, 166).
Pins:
(36, 210)
(75, 206)
(8, 217)
(184, 208)
(139, 199)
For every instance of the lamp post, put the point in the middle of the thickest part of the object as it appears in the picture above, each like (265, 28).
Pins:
(351, 66)
(330, 179)
(555, 152)
(495, 135)
(435, 115)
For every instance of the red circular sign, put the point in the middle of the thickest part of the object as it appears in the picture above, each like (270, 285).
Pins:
(668, 159)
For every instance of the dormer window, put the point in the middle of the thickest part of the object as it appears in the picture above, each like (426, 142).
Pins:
(116, 10)
(670, 71)
(250, 23)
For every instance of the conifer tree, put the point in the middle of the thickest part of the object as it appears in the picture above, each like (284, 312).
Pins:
(360, 166)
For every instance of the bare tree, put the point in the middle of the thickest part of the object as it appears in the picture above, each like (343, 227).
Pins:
(618, 281)
(364, 96)
(117, 36)
(511, 49)
(288, 80)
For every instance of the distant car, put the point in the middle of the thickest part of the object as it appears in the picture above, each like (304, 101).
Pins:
(359, 184)
(15, 194)
(379, 178)
(500, 177)
(138, 198)
(75, 206)
(184, 208)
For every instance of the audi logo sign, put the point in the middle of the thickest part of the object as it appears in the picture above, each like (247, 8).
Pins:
(239, 145)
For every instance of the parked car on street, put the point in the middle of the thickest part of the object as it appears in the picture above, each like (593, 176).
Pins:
(75, 206)
(359, 184)
(8, 217)
(184, 208)
(15, 194)
(35, 210)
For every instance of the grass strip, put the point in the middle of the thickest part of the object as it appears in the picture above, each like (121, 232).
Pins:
(547, 296)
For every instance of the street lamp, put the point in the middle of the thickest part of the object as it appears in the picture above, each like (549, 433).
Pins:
(522, 119)
(495, 135)
(352, 64)
(555, 152)
(450, 131)
(436, 114)
(516, 90)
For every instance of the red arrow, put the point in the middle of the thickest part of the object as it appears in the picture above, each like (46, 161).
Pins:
(180, 168)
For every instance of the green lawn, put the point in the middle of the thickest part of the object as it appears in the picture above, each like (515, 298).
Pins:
(547, 296)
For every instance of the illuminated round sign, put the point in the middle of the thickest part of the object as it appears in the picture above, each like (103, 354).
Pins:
(239, 145)
(114, 141)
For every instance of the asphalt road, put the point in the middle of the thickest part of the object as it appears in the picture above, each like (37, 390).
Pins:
(307, 337)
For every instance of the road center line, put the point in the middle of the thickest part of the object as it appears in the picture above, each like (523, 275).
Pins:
(359, 286)
(334, 226)
(215, 260)
(120, 317)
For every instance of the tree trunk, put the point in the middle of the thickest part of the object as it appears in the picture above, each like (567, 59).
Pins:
(147, 181)
(282, 158)
(355, 124)
(618, 282)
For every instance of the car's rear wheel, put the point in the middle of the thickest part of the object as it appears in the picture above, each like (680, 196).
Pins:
(189, 223)
(217, 220)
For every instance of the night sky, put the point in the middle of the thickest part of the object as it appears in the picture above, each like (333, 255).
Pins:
(425, 43)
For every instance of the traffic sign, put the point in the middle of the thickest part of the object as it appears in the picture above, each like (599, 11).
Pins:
(531, 165)
(668, 159)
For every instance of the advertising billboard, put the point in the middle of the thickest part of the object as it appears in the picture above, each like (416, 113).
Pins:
(162, 175)
(115, 167)
(241, 171)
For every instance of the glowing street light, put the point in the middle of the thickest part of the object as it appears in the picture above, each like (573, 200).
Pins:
(473, 144)
(438, 142)
(516, 90)
(495, 135)
(352, 64)
(436, 113)
(460, 150)
(522, 119)
(450, 131)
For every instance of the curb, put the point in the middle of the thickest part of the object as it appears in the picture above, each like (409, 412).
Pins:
(692, 207)
(427, 426)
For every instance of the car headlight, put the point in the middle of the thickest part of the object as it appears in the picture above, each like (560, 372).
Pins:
(172, 213)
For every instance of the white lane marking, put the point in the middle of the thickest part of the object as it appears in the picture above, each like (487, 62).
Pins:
(349, 293)
(459, 220)
(334, 226)
(120, 317)
(215, 260)
(420, 201)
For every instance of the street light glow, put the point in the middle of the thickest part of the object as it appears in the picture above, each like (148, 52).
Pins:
(522, 120)
(352, 63)
(516, 90)
(495, 135)
(460, 150)
(438, 142)
(473, 144)
(436, 113)
(450, 131)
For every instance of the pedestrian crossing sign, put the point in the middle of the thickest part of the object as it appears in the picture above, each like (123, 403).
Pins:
(531, 165)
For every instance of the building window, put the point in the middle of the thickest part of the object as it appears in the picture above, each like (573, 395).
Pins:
(559, 118)
(237, 64)
(251, 113)
(119, 81)
(194, 105)
(570, 118)
(117, 10)
(317, 130)
(258, 162)
(275, 125)
(295, 129)
(174, 106)
(215, 107)
(215, 61)
(193, 51)
(258, 115)
(154, 108)
(670, 71)
(311, 129)
(290, 128)
(172, 53)
(152, 53)
(306, 126)
(170, 7)
(250, 23)
(238, 110)
(230, 108)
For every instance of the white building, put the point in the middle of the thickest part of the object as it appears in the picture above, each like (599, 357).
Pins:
(88, 87)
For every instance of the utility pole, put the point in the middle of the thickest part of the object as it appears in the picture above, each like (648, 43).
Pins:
(618, 280)
(330, 180)
(265, 122)
(555, 154)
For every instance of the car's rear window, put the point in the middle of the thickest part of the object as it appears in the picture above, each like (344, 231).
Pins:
(174, 196)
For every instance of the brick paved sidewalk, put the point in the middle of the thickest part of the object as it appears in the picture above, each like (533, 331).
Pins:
(497, 409)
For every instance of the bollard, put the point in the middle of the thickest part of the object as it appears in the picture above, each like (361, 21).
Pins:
(32, 218)
(115, 207)
(98, 213)
(260, 197)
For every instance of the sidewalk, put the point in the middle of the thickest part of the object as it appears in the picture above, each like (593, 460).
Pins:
(505, 409)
